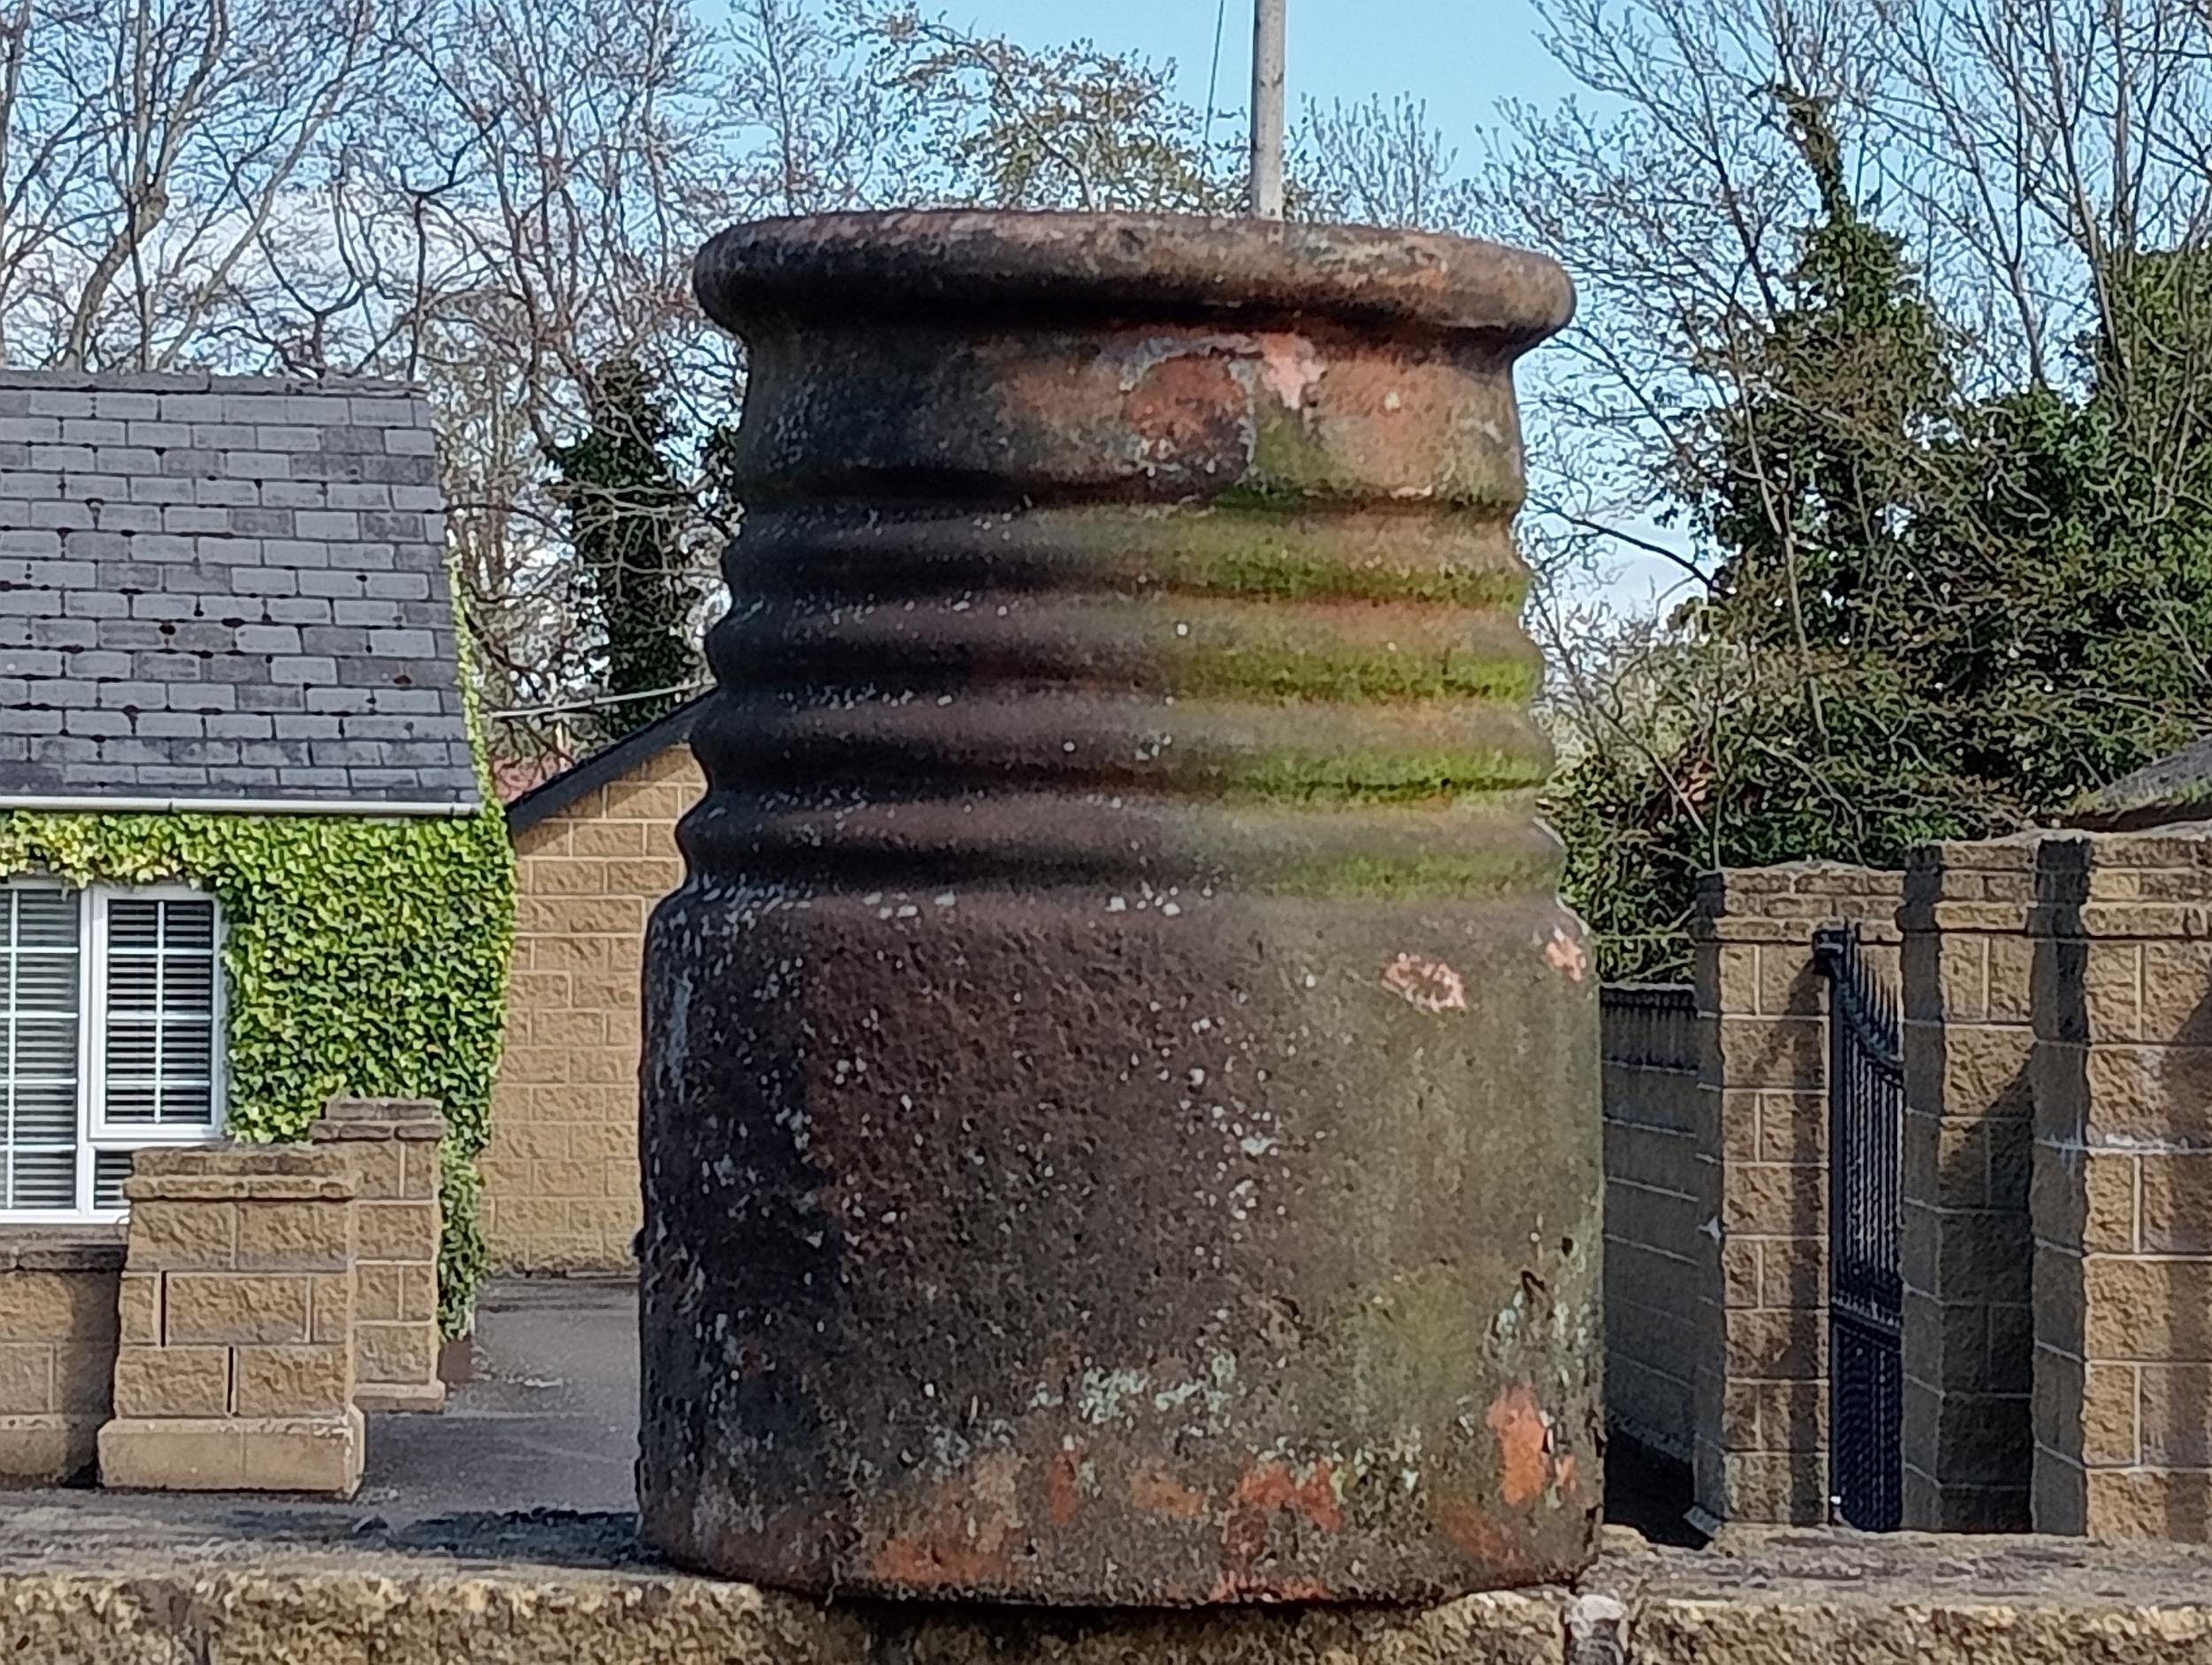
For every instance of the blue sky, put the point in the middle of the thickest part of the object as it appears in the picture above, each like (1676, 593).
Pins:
(1460, 57)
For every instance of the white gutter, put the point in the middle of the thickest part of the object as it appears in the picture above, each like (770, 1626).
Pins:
(234, 806)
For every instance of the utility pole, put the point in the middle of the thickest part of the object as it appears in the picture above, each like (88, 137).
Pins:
(1269, 29)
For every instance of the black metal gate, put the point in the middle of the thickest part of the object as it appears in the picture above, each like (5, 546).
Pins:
(1866, 1106)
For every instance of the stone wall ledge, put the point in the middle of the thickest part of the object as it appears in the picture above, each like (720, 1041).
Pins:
(237, 1188)
(93, 1582)
(46, 1248)
(343, 1119)
(366, 1132)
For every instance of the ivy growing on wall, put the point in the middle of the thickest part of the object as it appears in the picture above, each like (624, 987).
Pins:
(364, 956)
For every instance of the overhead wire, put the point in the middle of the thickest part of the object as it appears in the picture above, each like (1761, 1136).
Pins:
(1213, 76)
(601, 701)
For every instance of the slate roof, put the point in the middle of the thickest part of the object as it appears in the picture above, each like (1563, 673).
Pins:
(2169, 790)
(224, 588)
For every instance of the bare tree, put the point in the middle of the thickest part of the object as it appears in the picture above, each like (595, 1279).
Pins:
(814, 124)
(2046, 145)
(550, 177)
(2030, 153)
(1380, 163)
(982, 118)
(149, 147)
(1678, 210)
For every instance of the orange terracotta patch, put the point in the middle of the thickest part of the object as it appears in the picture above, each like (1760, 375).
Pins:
(1064, 1488)
(1290, 367)
(1428, 984)
(1483, 1543)
(1185, 408)
(1566, 955)
(1272, 1487)
(1524, 1445)
(966, 1538)
(1269, 1490)
(921, 1562)
(1153, 1489)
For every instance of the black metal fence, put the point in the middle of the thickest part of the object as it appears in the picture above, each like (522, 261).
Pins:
(1650, 1025)
(1866, 1105)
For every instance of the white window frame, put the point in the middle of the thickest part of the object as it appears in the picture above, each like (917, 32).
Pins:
(95, 1134)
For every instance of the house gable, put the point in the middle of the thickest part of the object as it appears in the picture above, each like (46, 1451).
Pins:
(594, 853)
(610, 764)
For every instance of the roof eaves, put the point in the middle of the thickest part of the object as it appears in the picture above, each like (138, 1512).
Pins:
(609, 763)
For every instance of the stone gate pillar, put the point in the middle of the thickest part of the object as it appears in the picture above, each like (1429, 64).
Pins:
(1120, 1116)
(1969, 1034)
(235, 1370)
(1761, 1388)
(2123, 1186)
(393, 1145)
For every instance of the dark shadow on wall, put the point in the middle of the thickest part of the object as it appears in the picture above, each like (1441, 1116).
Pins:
(2057, 1202)
(2180, 1437)
(1650, 1493)
(2174, 1115)
(1990, 1449)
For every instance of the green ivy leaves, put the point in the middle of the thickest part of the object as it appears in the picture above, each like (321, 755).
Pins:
(363, 957)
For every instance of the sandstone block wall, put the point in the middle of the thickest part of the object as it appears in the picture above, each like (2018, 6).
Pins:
(2122, 1186)
(393, 1147)
(2056, 1188)
(1969, 1036)
(561, 1188)
(235, 1364)
(57, 1341)
(1761, 1384)
(1656, 1203)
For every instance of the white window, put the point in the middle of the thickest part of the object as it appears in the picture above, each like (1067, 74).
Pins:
(111, 998)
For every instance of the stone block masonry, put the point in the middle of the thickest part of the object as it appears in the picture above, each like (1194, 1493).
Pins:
(2055, 1188)
(1761, 1377)
(393, 1145)
(561, 1191)
(58, 1328)
(2122, 1200)
(86, 1583)
(235, 1364)
(1969, 1037)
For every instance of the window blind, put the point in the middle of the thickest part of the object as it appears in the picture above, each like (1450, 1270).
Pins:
(38, 1157)
(158, 1012)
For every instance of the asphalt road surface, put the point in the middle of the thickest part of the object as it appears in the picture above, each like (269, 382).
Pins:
(550, 1421)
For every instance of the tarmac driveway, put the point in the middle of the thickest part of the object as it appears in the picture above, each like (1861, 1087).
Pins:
(550, 1421)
